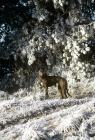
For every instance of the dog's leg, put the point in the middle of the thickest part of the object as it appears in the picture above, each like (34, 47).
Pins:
(65, 92)
(59, 89)
(46, 93)
(63, 88)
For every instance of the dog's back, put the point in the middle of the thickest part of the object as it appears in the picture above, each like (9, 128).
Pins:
(51, 80)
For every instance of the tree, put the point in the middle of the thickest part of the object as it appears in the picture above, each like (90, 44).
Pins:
(52, 34)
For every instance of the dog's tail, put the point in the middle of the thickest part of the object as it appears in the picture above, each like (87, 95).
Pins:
(68, 93)
(67, 89)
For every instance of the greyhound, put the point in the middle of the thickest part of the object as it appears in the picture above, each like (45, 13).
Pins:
(49, 81)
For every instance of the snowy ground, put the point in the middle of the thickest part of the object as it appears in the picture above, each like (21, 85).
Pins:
(30, 118)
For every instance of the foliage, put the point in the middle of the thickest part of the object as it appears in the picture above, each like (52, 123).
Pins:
(55, 34)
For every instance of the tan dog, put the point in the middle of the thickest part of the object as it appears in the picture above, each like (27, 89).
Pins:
(49, 81)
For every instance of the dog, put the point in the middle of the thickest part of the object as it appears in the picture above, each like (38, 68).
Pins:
(49, 81)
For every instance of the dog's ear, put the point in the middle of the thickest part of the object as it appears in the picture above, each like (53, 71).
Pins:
(41, 69)
(38, 68)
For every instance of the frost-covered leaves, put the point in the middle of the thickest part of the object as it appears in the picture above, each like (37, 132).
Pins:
(60, 31)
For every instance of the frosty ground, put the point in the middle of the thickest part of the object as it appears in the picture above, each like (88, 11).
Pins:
(34, 118)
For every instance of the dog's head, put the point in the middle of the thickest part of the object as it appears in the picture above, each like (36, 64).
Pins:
(41, 72)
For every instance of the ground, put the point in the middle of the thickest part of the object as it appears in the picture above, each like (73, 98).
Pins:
(34, 118)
